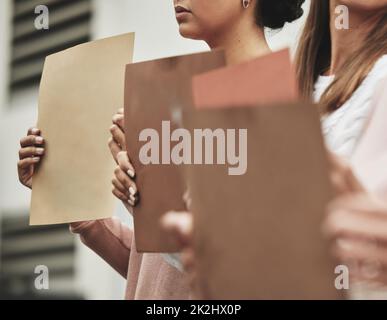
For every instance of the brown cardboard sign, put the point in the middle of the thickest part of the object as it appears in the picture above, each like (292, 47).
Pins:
(154, 92)
(258, 234)
(80, 90)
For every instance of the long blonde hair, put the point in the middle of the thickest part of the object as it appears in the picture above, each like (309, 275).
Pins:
(314, 57)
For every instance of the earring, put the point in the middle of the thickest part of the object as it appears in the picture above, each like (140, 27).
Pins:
(246, 3)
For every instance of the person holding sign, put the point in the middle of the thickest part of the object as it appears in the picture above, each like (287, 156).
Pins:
(341, 68)
(346, 76)
(237, 27)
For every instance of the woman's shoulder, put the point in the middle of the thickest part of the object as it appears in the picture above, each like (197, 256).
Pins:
(367, 89)
(379, 70)
(343, 127)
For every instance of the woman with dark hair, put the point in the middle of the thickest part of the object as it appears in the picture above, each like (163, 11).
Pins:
(237, 26)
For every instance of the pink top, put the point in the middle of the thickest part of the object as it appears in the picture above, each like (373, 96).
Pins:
(149, 276)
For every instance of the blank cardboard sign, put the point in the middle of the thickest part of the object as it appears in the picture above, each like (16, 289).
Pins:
(153, 91)
(258, 235)
(80, 90)
(265, 80)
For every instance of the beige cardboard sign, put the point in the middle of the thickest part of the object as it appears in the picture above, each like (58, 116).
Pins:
(80, 90)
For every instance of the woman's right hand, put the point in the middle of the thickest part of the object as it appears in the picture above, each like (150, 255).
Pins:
(180, 226)
(30, 154)
(356, 227)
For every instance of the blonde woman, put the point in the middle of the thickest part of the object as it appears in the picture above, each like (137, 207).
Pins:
(341, 69)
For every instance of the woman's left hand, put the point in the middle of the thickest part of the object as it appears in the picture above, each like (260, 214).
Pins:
(356, 225)
(124, 186)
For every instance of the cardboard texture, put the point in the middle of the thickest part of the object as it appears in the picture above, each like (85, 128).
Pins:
(80, 90)
(268, 79)
(258, 235)
(153, 91)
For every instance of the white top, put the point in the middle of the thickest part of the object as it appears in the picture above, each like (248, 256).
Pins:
(343, 127)
(342, 130)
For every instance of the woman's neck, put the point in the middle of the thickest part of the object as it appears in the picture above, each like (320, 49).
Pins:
(241, 43)
(347, 41)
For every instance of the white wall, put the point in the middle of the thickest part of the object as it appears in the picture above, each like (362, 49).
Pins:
(156, 36)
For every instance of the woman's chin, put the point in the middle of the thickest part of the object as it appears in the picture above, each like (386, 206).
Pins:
(188, 32)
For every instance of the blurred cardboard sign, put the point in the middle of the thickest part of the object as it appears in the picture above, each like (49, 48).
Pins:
(265, 80)
(157, 91)
(258, 235)
(80, 90)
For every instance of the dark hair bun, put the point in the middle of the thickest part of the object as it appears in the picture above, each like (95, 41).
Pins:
(275, 13)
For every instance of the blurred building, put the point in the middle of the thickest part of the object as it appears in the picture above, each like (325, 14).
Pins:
(74, 271)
